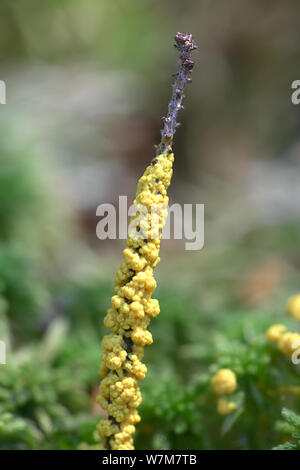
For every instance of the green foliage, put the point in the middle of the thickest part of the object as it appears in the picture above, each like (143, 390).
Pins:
(53, 333)
(41, 405)
(47, 388)
(290, 425)
(29, 211)
(22, 291)
(178, 403)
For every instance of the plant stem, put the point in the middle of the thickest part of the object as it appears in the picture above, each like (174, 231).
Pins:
(185, 45)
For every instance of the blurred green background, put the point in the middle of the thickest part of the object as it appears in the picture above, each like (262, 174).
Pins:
(87, 83)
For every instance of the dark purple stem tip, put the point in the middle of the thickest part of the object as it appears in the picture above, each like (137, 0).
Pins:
(185, 45)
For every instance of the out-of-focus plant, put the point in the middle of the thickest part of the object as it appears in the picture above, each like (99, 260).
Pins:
(42, 405)
(29, 210)
(289, 426)
(33, 230)
(23, 291)
(58, 375)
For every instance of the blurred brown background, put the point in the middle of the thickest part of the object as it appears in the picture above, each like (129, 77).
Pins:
(87, 84)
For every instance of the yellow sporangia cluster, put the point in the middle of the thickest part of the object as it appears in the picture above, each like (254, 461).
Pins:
(293, 307)
(224, 383)
(225, 407)
(132, 309)
(287, 341)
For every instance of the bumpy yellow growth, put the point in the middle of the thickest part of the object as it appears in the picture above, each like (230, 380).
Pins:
(287, 342)
(129, 317)
(275, 332)
(293, 307)
(224, 383)
(225, 407)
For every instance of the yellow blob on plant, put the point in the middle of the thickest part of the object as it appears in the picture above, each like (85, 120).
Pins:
(225, 407)
(275, 332)
(132, 305)
(224, 382)
(293, 307)
(289, 343)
